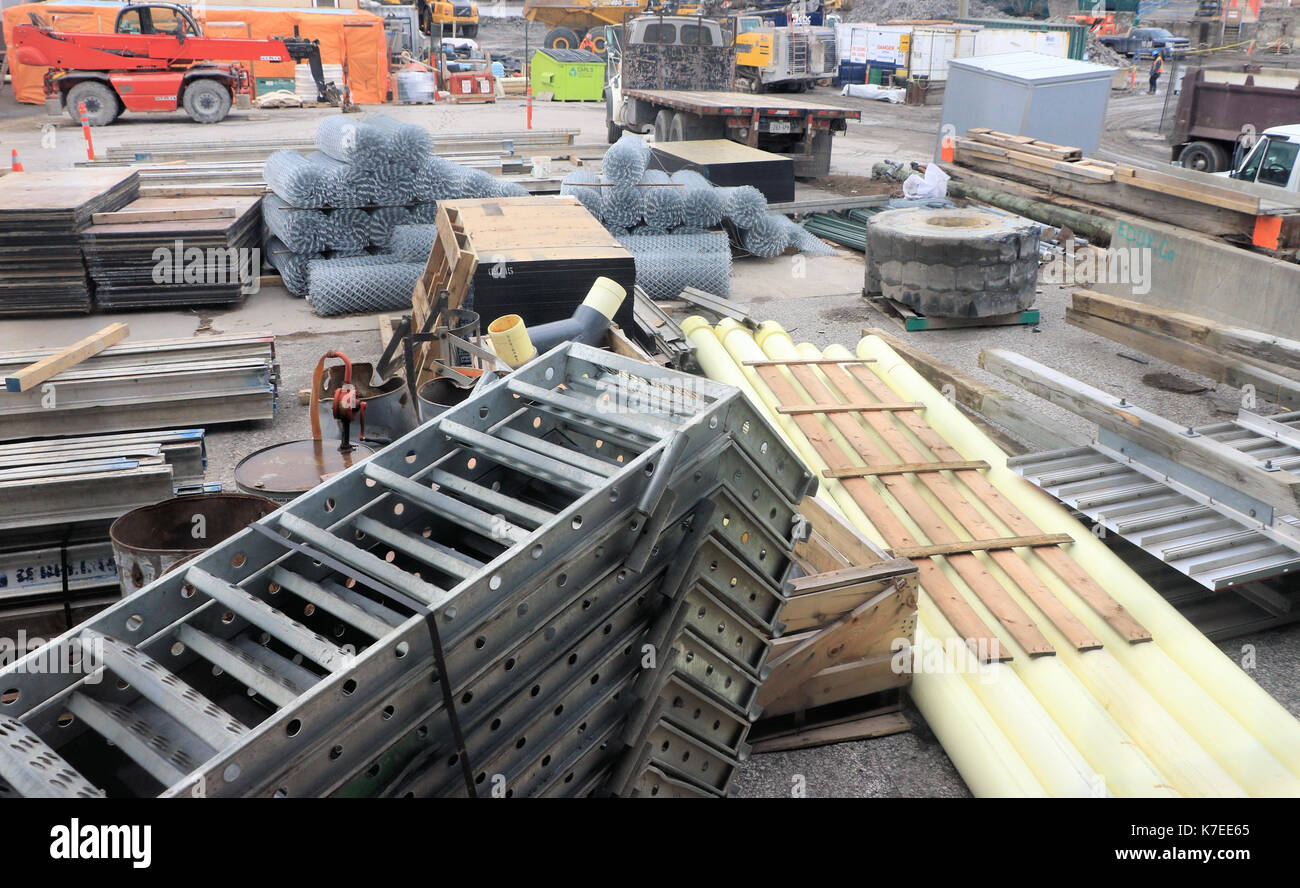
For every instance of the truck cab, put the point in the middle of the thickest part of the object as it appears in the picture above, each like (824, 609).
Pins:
(1272, 160)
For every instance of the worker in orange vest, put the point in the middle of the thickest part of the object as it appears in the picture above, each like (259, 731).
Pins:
(1157, 68)
(587, 43)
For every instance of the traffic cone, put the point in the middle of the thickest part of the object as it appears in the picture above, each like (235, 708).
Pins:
(14, 163)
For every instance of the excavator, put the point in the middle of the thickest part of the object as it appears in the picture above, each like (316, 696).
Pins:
(156, 59)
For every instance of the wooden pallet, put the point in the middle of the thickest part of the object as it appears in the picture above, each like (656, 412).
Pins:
(450, 267)
(914, 322)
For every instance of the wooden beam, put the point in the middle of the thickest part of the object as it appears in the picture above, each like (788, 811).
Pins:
(161, 215)
(1268, 385)
(984, 401)
(964, 546)
(1201, 454)
(1246, 345)
(866, 407)
(867, 728)
(34, 374)
(906, 468)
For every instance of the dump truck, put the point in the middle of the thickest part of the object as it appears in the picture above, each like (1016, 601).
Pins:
(1220, 110)
(675, 75)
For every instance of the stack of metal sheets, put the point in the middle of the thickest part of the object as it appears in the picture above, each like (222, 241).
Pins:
(562, 586)
(145, 385)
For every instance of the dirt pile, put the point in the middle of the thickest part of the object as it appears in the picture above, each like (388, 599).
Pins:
(1101, 54)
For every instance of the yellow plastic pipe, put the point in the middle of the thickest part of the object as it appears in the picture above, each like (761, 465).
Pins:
(1247, 732)
(510, 340)
(1091, 727)
(1042, 747)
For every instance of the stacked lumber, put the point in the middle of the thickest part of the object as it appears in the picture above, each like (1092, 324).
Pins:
(1034, 153)
(538, 257)
(42, 215)
(164, 252)
(847, 618)
(1232, 355)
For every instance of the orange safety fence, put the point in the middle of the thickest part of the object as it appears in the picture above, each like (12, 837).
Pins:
(347, 37)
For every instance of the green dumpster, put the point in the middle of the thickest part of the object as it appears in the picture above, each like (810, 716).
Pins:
(573, 75)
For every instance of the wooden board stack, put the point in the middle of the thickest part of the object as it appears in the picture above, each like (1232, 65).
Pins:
(1062, 160)
(538, 257)
(42, 215)
(162, 252)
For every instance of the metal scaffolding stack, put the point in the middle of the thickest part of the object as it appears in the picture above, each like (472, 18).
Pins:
(563, 586)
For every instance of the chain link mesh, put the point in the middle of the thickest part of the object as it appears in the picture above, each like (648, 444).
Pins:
(665, 264)
(361, 283)
(626, 160)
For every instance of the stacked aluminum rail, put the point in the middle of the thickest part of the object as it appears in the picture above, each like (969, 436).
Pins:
(562, 586)
(1215, 535)
(145, 385)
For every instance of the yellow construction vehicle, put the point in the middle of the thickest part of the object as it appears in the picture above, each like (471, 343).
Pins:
(791, 56)
(444, 18)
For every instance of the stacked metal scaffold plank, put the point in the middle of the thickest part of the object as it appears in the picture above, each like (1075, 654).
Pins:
(145, 385)
(560, 587)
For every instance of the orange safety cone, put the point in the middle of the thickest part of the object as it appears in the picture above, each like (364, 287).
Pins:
(14, 163)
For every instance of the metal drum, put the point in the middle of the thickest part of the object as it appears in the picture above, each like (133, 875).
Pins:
(389, 413)
(151, 540)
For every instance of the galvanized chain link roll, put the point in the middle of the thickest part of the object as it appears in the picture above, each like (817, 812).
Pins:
(412, 243)
(666, 264)
(626, 160)
(703, 206)
(745, 205)
(623, 206)
(584, 185)
(362, 283)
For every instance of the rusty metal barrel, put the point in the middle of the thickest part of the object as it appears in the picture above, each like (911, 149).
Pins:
(151, 540)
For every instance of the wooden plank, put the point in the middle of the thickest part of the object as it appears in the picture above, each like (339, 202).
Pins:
(867, 449)
(906, 468)
(129, 215)
(1270, 386)
(1042, 539)
(870, 620)
(1026, 144)
(984, 401)
(34, 374)
(868, 728)
(982, 490)
(865, 407)
(842, 536)
(940, 589)
(842, 682)
(1251, 346)
(1201, 454)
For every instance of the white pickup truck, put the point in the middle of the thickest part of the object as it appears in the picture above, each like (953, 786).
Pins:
(1272, 160)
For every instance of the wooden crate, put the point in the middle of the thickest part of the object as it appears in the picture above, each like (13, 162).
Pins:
(450, 267)
(843, 621)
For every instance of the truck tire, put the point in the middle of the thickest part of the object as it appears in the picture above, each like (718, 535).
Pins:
(613, 132)
(956, 263)
(206, 101)
(561, 38)
(663, 126)
(99, 99)
(687, 126)
(1204, 157)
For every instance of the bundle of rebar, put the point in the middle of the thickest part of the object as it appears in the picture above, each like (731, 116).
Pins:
(563, 586)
